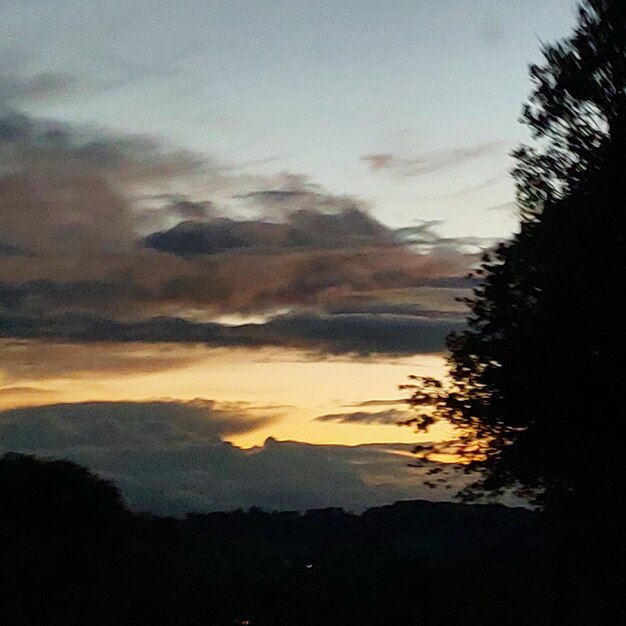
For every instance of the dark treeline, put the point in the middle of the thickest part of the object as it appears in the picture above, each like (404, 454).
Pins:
(72, 553)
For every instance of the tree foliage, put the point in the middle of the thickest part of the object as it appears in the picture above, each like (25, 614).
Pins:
(578, 101)
(535, 379)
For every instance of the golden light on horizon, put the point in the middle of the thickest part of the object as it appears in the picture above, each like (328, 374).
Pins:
(291, 389)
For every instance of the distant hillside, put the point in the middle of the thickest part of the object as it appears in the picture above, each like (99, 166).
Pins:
(73, 554)
(415, 528)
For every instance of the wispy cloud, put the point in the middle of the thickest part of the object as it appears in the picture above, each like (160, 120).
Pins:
(367, 403)
(16, 89)
(388, 416)
(38, 361)
(430, 162)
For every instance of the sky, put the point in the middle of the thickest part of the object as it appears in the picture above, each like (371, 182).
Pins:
(230, 230)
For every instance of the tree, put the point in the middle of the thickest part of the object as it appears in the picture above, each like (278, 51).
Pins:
(64, 539)
(535, 380)
(578, 102)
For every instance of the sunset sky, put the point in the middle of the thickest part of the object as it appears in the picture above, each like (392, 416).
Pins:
(228, 221)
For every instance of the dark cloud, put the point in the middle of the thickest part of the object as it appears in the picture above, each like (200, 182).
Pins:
(123, 425)
(193, 238)
(98, 243)
(360, 334)
(6, 250)
(375, 307)
(272, 197)
(170, 458)
(302, 228)
(433, 161)
(389, 416)
(436, 298)
(248, 280)
(37, 295)
(32, 142)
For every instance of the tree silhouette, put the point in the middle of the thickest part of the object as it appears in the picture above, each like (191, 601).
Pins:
(535, 379)
(578, 102)
(63, 536)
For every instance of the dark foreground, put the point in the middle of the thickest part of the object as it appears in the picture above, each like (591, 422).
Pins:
(72, 554)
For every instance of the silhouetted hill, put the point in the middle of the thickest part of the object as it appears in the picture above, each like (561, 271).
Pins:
(72, 554)
(416, 528)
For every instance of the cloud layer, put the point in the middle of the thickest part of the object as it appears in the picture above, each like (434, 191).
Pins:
(117, 238)
(171, 458)
(355, 334)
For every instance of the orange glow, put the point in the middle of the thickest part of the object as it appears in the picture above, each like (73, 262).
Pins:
(286, 386)
(447, 458)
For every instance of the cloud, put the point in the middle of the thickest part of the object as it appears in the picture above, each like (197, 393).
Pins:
(121, 238)
(423, 234)
(39, 360)
(20, 395)
(367, 403)
(16, 89)
(165, 210)
(302, 228)
(7, 250)
(433, 161)
(315, 265)
(65, 190)
(123, 425)
(295, 193)
(389, 416)
(437, 298)
(355, 334)
(170, 458)
(8, 392)
(23, 390)
(254, 280)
